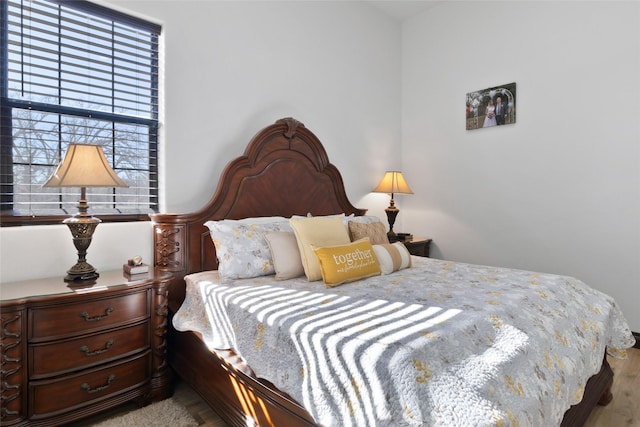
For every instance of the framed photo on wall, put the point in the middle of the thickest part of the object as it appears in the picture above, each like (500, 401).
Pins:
(494, 106)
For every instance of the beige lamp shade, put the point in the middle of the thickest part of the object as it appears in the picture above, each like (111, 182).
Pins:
(84, 165)
(393, 182)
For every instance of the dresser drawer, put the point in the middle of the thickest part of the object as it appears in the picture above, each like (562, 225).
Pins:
(88, 315)
(79, 353)
(74, 391)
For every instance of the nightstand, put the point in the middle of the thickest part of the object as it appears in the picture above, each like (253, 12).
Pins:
(70, 353)
(418, 246)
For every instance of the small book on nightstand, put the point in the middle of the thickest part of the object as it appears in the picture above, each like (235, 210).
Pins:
(404, 237)
(135, 269)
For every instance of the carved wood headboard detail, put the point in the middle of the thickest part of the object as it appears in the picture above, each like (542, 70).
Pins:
(284, 171)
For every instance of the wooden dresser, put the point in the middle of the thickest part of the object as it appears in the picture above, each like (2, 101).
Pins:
(70, 353)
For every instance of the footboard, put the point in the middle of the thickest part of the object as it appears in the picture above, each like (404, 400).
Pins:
(237, 397)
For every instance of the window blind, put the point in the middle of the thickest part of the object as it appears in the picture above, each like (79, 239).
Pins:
(77, 72)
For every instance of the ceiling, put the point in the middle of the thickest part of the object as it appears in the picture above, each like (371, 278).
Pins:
(403, 9)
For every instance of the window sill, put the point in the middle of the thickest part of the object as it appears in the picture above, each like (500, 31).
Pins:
(8, 220)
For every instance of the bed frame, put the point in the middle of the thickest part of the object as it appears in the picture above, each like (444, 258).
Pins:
(284, 171)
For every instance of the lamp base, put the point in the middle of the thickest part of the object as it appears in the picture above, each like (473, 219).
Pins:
(73, 274)
(81, 280)
(392, 213)
(82, 227)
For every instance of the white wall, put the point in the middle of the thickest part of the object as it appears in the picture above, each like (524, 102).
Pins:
(335, 66)
(232, 68)
(559, 191)
(48, 251)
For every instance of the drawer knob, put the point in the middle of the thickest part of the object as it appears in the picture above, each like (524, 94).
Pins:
(88, 352)
(86, 387)
(88, 318)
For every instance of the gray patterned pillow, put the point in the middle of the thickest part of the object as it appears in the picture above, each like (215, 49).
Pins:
(241, 247)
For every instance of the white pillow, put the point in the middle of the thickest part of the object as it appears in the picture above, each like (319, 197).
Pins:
(392, 257)
(241, 248)
(285, 254)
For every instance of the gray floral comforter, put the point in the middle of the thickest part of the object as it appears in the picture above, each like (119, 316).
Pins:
(438, 344)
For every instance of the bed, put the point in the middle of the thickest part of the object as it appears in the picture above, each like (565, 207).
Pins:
(285, 172)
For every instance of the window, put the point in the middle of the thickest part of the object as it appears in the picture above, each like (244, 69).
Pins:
(76, 72)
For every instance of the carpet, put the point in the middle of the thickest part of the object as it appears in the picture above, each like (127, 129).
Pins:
(164, 413)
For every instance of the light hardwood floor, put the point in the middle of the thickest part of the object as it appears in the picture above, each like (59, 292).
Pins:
(623, 411)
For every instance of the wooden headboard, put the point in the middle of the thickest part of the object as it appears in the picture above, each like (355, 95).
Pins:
(284, 171)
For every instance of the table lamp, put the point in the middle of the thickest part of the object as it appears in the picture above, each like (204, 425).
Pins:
(392, 182)
(84, 165)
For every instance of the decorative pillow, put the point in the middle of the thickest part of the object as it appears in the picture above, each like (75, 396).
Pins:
(364, 219)
(375, 231)
(241, 247)
(285, 254)
(346, 219)
(317, 231)
(345, 263)
(392, 257)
